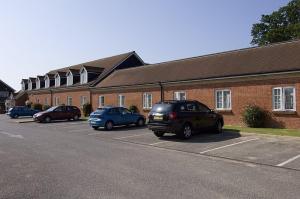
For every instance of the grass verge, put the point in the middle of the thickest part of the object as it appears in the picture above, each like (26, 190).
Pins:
(269, 131)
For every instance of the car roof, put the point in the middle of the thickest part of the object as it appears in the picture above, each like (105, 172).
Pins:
(176, 101)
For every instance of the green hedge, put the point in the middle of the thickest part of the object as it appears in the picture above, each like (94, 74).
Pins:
(87, 109)
(254, 116)
(134, 109)
(37, 106)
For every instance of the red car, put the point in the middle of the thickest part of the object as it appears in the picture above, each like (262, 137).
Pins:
(58, 113)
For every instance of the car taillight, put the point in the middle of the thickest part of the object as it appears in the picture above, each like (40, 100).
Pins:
(172, 115)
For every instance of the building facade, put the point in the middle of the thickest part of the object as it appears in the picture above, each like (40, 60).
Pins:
(227, 82)
(5, 92)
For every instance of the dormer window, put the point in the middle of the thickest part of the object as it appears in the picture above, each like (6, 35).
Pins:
(47, 82)
(69, 78)
(83, 76)
(57, 80)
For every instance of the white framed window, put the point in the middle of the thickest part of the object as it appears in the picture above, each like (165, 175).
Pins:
(29, 85)
(23, 86)
(83, 100)
(83, 76)
(180, 95)
(56, 101)
(121, 100)
(69, 101)
(284, 99)
(47, 82)
(57, 80)
(223, 99)
(69, 79)
(147, 100)
(101, 101)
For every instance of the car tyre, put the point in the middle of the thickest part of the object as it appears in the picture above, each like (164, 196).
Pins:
(47, 119)
(76, 117)
(109, 125)
(186, 131)
(16, 116)
(158, 133)
(140, 122)
(95, 127)
(218, 127)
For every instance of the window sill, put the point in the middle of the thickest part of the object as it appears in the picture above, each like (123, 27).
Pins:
(228, 111)
(146, 109)
(284, 112)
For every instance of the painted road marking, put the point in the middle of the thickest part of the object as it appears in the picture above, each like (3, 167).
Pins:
(288, 161)
(156, 143)
(130, 136)
(11, 135)
(221, 147)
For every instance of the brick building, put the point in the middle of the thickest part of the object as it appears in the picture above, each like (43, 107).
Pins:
(267, 76)
(5, 92)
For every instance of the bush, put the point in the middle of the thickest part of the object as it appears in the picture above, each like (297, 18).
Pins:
(87, 109)
(133, 109)
(37, 106)
(45, 107)
(254, 116)
(28, 103)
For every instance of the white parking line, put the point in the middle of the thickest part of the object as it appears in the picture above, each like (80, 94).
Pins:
(288, 161)
(156, 143)
(11, 135)
(130, 136)
(221, 147)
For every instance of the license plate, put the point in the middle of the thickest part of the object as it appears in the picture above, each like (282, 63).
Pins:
(158, 118)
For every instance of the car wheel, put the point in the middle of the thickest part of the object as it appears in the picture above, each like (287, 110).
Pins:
(109, 125)
(186, 131)
(158, 133)
(47, 119)
(16, 116)
(218, 127)
(95, 127)
(76, 117)
(140, 122)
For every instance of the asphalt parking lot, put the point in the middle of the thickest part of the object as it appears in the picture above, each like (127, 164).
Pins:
(71, 160)
(251, 148)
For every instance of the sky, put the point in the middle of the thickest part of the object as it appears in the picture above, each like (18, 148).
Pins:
(37, 36)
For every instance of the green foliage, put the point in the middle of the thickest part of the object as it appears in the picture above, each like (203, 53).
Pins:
(87, 109)
(134, 109)
(281, 25)
(37, 106)
(45, 107)
(28, 103)
(254, 116)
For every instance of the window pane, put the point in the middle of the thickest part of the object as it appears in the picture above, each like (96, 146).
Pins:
(219, 99)
(277, 98)
(289, 98)
(149, 105)
(226, 98)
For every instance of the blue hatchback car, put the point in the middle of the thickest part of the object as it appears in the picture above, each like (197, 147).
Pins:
(19, 111)
(108, 117)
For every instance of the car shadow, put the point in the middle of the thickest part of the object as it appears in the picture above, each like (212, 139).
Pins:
(205, 137)
(64, 121)
(125, 128)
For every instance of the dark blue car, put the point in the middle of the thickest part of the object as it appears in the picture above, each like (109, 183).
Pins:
(108, 117)
(20, 111)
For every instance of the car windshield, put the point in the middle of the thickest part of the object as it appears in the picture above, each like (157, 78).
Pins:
(52, 108)
(10, 109)
(160, 108)
(98, 112)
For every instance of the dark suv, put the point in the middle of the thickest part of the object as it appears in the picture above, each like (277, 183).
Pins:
(58, 113)
(183, 118)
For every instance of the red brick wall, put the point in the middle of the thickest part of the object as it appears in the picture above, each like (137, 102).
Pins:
(242, 94)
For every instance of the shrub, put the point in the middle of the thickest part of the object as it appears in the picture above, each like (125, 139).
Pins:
(254, 116)
(133, 109)
(37, 106)
(28, 103)
(45, 107)
(87, 109)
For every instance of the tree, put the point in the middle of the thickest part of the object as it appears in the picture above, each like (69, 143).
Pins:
(281, 25)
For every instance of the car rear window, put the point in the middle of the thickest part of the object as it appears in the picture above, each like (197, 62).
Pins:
(161, 108)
